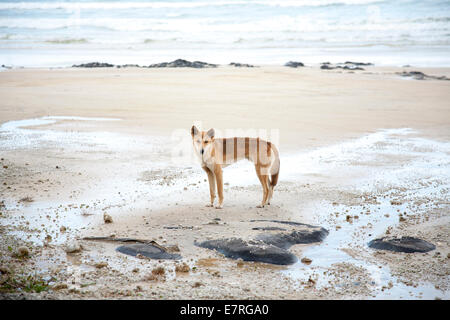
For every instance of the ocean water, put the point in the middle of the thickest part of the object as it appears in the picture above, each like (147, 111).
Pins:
(60, 33)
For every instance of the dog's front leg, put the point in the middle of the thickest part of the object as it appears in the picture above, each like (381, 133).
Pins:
(219, 180)
(212, 185)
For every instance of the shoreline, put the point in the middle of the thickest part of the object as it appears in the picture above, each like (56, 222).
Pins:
(383, 56)
(102, 64)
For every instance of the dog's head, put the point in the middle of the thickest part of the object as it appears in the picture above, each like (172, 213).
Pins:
(202, 140)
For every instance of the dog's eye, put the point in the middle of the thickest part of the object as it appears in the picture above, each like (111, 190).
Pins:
(206, 141)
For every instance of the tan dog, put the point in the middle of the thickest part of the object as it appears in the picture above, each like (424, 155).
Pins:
(216, 154)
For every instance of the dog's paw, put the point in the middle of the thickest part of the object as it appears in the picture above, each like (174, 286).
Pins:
(219, 206)
(260, 206)
(209, 205)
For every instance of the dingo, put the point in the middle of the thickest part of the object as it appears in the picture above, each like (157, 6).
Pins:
(216, 154)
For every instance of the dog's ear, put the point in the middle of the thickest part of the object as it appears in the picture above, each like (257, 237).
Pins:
(194, 131)
(210, 133)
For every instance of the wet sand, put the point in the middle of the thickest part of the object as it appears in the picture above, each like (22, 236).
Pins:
(367, 144)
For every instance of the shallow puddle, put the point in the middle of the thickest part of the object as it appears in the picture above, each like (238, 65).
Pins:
(395, 175)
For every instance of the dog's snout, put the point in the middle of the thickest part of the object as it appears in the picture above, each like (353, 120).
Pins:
(202, 151)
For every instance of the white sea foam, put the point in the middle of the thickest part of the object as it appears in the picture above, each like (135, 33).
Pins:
(268, 25)
(272, 31)
(181, 4)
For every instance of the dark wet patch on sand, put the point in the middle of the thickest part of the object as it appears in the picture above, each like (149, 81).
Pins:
(147, 250)
(403, 244)
(268, 247)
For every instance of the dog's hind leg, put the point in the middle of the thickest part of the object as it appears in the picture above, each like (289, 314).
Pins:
(212, 185)
(264, 179)
(270, 193)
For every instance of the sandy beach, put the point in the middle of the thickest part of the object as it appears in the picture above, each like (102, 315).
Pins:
(364, 154)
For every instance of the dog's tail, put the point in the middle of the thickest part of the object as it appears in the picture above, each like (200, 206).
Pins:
(275, 168)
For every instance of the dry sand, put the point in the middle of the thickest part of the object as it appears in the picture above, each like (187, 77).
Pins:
(345, 150)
